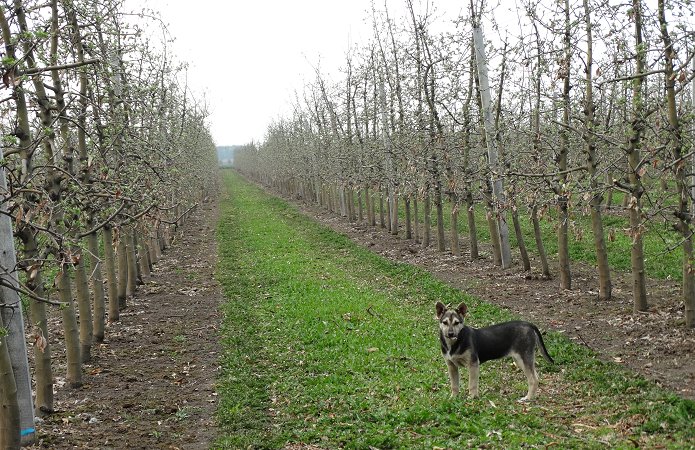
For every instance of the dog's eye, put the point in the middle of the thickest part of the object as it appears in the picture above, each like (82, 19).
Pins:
(455, 322)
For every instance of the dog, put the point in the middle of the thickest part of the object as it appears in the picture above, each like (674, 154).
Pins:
(464, 345)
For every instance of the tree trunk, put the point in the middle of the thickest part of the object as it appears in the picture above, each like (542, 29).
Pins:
(455, 247)
(389, 209)
(343, 203)
(158, 246)
(167, 237)
(122, 270)
(135, 253)
(416, 220)
(639, 285)
(526, 263)
(389, 168)
(605, 285)
(408, 219)
(43, 371)
(439, 206)
(112, 280)
(427, 225)
(373, 206)
(10, 422)
(146, 256)
(337, 203)
(318, 193)
(539, 241)
(131, 262)
(143, 258)
(72, 333)
(97, 288)
(626, 199)
(468, 182)
(498, 216)
(604, 275)
(360, 207)
(394, 213)
(382, 212)
(351, 205)
(328, 197)
(561, 181)
(370, 207)
(688, 283)
(472, 231)
(85, 310)
(492, 226)
(608, 204)
(676, 143)
(152, 248)
(563, 252)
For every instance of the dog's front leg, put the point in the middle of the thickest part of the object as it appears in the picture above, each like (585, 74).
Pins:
(473, 376)
(453, 378)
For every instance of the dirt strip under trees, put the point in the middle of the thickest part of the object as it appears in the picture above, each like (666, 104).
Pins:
(151, 383)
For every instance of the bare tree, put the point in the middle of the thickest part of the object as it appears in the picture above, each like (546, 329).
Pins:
(605, 285)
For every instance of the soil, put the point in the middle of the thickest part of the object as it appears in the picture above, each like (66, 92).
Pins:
(151, 384)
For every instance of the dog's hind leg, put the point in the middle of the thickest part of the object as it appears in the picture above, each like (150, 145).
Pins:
(454, 378)
(527, 364)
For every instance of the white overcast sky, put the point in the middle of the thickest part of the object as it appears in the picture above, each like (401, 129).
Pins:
(247, 57)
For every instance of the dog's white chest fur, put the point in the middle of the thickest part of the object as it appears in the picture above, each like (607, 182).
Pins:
(460, 359)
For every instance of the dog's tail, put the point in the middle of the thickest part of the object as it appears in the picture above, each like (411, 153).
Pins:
(541, 344)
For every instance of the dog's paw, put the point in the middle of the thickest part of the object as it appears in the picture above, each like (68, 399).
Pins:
(525, 399)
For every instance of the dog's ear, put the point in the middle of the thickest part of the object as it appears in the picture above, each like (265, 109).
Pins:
(440, 308)
(462, 309)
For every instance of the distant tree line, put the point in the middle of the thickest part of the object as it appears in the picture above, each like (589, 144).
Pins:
(225, 154)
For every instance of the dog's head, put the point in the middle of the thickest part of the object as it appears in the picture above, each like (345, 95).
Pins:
(451, 321)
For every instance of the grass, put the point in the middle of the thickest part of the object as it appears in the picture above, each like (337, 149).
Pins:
(328, 344)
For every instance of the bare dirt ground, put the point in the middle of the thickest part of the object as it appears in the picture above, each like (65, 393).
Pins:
(655, 344)
(151, 384)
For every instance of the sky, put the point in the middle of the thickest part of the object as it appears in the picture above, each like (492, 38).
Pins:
(247, 57)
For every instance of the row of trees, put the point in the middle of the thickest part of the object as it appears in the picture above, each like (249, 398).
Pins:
(104, 153)
(586, 98)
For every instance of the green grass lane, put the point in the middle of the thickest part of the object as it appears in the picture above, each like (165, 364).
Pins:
(328, 344)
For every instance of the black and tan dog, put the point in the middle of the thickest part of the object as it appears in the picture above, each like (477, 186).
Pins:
(463, 345)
